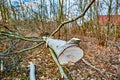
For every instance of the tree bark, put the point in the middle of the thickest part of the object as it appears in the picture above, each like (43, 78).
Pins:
(68, 52)
(32, 71)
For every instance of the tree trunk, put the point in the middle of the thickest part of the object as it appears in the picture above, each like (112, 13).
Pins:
(68, 52)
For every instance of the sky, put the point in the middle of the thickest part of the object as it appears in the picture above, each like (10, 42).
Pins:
(103, 9)
(103, 4)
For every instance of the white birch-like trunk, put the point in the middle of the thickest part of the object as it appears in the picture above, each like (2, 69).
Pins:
(67, 52)
(1, 65)
(32, 71)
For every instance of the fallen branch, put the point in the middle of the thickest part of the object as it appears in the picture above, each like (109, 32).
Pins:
(4, 54)
(98, 70)
(1, 66)
(32, 71)
(30, 48)
(73, 19)
(14, 35)
(86, 62)
(7, 52)
(65, 53)
(68, 52)
(63, 75)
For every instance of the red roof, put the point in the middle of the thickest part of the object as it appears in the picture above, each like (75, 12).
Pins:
(103, 20)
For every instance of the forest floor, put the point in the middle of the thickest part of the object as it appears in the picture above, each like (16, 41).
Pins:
(103, 58)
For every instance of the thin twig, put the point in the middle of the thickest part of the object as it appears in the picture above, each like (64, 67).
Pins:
(86, 62)
(7, 51)
(4, 54)
(18, 36)
(30, 48)
(98, 70)
(73, 19)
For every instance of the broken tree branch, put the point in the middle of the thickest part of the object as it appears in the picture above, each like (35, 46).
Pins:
(98, 70)
(63, 75)
(1, 66)
(32, 71)
(30, 48)
(14, 35)
(4, 54)
(68, 52)
(89, 64)
(86, 62)
(73, 19)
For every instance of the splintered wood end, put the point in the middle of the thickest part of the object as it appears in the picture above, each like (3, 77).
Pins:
(70, 55)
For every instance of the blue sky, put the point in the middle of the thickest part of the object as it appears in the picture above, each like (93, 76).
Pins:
(17, 2)
(103, 4)
(71, 9)
(103, 9)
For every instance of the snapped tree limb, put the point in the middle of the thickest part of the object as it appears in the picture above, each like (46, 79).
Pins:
(30, 48)
(68, 52)
(14, 35)
(32, 71)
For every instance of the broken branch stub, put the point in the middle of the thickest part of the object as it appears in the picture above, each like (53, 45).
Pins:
(68, 52)
(32, 71)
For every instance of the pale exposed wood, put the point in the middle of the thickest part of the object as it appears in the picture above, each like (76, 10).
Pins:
(70, 55)
(1, 65)
(32, 71)
(67, 52)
